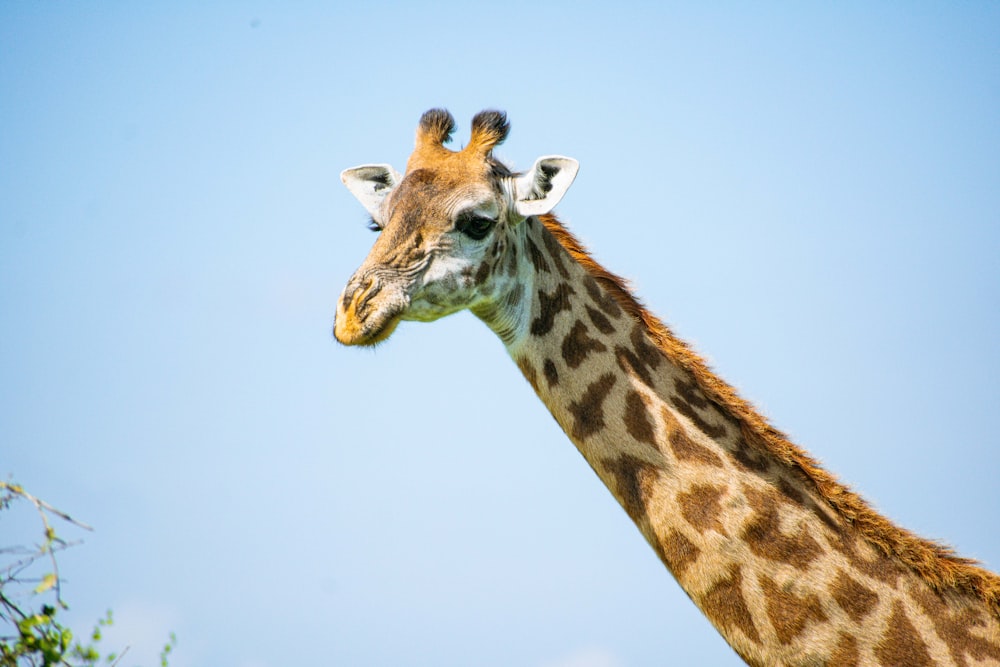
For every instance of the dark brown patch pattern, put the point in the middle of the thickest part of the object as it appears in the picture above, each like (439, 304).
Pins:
(701, 507)
(630, 364)
(648, 354)
(790, 614)
(788, 490)
(634, 480)
(845, 653)
(536, 256)
(690, 392)
(551, 374)
(588, 412)
(577, 345)
(550, 305)
(880, 567)
(955, 627)
(600, 321)
(763, 535)
(601, 299)
(797, 497)
(637, 421)
(684, 448)
(752, 458)
(677, 552)
(901, 645)
(726, 607)
(556, 253)
(482, 273)
(512, 260)
(688, 401)
(641, 359)
(853, 597)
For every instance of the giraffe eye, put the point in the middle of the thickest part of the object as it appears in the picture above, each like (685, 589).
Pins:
(476, 227)
(374, 226)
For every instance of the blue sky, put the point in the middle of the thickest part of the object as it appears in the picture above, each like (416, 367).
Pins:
(808, 193)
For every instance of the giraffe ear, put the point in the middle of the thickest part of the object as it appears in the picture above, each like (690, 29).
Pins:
(539, 189)
(371, 183)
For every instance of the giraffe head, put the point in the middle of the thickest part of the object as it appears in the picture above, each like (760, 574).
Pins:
(446, 228)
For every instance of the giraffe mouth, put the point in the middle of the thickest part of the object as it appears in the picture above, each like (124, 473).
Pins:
(375, 333)
(365, 319)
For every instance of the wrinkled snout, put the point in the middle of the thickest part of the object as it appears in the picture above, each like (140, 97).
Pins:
(368, 309)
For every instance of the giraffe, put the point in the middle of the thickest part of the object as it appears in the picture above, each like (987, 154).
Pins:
(789, 565)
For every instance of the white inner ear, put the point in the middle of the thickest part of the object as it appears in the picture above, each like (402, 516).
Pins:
(371, 183)
(539, 189)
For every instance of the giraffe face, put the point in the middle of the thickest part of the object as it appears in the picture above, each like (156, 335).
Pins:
(445, 229)
(435, 234)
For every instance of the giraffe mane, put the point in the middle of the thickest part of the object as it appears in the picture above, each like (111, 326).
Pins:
(935, 562)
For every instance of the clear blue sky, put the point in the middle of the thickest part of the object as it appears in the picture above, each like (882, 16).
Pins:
(809, 193)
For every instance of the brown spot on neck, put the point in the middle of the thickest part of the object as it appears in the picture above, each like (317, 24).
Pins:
(588, 412)
(854, 598)
(637, 421)
(790, 490)
(688, 402)
(845, 653)
(726, 607)
(684, 448)
(577, 345)
(648, 354)
(789, 614)
(599, 320)
(634, 480)
(602, 300)
(879, 566)
(901, 645)
(690, 392)
(701, 507)
(957, 628)
(535, 255)
(752, 458)
(763, 535)
(550, 305)
(677, 552)
(551, 373)
(555, 253)
(630, 365)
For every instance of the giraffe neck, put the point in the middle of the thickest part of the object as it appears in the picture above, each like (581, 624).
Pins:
(747, 528)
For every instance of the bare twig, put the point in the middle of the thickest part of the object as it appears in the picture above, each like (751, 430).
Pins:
(120, 656)
(18, 490)
(52, 544)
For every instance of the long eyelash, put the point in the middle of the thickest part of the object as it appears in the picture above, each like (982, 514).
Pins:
(374, 226)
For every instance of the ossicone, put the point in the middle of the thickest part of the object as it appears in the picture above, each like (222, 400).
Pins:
(435, 128)
(489, 128)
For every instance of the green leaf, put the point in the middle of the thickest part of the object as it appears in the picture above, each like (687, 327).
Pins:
(48, 581)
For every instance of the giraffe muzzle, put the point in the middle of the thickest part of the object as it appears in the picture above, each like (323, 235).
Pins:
(368, 310)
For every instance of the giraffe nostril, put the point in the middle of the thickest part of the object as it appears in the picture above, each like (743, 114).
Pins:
(349, 292)
(354, 287)
(371, 292)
